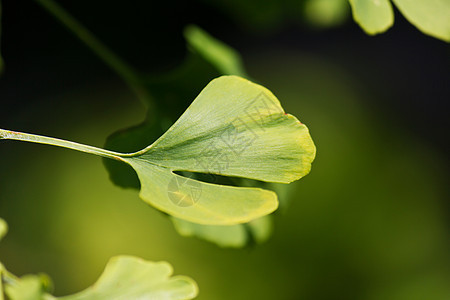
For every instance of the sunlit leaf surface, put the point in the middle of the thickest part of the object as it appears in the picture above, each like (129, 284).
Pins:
(235, 128)
(124, 278)
(207, 58)
(432, 17)
(224, 58)
(127, 277)
(374, 16)
(28, 287)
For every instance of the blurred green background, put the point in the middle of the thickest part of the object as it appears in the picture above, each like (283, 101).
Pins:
(370, 221)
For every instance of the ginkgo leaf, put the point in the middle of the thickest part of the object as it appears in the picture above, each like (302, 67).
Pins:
(124, 278)
(173, 92)
(127, 277)
(232, 236)
(326, 13)
(261, 228)
(28, 287)
(233, 128)
(374, 16)
(432, 17)
(202, 62)
(3, 228)
(200, 202)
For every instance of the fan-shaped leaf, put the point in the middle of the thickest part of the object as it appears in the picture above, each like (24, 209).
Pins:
(235, 128)
(124, 278)
(28, 287)
(207, 58)
(127, 277)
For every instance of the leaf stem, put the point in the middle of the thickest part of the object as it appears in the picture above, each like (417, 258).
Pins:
(32, 138)
(124, 70)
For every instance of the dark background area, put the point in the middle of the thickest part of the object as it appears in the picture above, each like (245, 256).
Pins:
(371, 220)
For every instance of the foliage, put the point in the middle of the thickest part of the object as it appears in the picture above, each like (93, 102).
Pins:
(207, 58)
(431, 17)
(200, 208)
(125, 277)
(3, 228)
(234, 128)
(374, 16)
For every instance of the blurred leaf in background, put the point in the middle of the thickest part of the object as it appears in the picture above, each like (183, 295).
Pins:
(125, 277)
(1, 59)
(28, 287)
(3, 228)
(431, 17)
(374, 16)
(326, 13)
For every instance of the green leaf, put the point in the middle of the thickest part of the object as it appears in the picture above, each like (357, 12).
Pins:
(201, 63)
(224, 236)
(172, 93)
(3, 228)
(374, 16)
(242, 124)
(127, 277)
(326, 13)
(222, 56)
(233, 128)
(260, 229)
(200, 202)
(28, 287)
(232, 236)
(432, 17)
